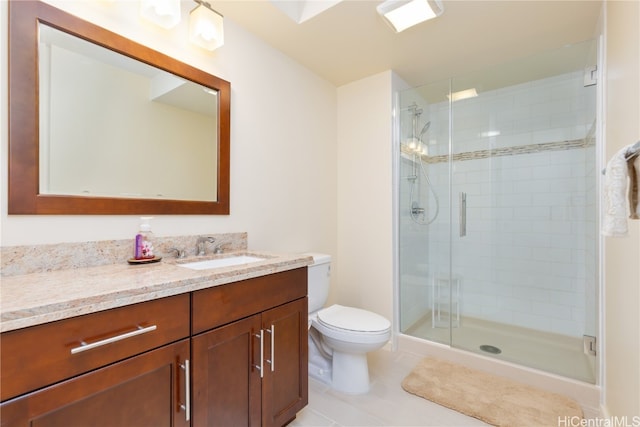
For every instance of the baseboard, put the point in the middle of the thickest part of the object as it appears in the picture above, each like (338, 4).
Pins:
(604, 411)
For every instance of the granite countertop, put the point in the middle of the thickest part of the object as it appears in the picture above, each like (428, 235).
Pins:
(32, 299)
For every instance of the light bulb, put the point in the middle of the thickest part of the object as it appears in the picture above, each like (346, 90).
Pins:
(206, 27)
(165, 13)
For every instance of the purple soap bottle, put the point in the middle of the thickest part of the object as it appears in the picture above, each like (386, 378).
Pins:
(144, 240)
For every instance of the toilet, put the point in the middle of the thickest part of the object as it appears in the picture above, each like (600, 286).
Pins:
(340, 337)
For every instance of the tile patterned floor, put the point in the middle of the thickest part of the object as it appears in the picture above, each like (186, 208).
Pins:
(386, 404)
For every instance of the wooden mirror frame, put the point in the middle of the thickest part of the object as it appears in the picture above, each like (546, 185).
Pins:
(24, 196)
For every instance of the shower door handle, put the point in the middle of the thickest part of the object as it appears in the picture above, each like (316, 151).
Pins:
(463, 214)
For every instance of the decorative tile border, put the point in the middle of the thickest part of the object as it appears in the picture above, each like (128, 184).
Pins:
(589, 140)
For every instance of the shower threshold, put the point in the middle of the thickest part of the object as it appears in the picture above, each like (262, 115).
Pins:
(553, 353)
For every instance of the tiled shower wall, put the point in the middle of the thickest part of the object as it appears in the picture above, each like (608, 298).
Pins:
(529, 252)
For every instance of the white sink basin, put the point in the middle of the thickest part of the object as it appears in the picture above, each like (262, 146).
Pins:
(221, 262)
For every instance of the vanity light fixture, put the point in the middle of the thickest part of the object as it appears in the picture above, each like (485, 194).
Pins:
(165, 13)
(206, 28)
(402, 14)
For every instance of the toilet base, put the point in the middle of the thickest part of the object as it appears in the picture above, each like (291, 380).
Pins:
(319, 367)
(344, 372)
(350, 373)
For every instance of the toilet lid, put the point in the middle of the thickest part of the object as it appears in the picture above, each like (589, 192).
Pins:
(353, 319)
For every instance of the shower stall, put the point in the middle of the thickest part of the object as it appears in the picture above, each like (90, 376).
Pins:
(497, 212)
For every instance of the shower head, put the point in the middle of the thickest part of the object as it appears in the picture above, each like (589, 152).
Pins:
(425, 128)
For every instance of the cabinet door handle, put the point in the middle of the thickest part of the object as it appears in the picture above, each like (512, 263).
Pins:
(187, 390)
(272, 361)
(261, 366)
(138, 331)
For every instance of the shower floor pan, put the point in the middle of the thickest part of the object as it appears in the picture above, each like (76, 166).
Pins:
(553, 353)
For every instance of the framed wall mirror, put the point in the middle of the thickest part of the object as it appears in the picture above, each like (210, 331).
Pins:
(99, 124)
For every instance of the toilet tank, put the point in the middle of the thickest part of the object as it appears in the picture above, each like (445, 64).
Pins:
(319, 275)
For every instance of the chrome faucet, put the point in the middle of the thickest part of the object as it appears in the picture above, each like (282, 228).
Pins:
(201, 244)
(217, 249)
(180, 253)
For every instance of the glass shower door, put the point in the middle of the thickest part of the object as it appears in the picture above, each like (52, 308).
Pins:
(498, 240)
(523, 216)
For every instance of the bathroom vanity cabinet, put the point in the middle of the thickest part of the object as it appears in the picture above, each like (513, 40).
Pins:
(252, 371)
(189, 359)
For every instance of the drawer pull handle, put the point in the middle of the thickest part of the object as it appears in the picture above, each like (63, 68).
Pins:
(139, 331)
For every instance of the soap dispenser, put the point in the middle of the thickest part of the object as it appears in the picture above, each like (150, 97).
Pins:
(144, 240)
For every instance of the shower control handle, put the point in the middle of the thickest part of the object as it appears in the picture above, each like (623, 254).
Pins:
(463, 214)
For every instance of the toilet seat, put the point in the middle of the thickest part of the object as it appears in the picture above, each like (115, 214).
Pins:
(343, 319)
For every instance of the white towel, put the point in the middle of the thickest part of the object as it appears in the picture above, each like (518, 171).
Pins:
(614, 223)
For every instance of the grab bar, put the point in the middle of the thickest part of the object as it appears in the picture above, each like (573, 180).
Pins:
(463, 214)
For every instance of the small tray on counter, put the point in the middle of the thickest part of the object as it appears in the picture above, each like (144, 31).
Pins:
(144, 260)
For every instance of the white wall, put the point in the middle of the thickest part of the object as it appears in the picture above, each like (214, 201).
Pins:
(622, 255)
(365, 205)
(283, 143)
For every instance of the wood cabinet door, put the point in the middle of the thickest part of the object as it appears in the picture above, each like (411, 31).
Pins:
(226, 378)
(148, 390)
(285, 382)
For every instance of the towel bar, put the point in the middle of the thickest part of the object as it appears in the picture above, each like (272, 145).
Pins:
(632, 151)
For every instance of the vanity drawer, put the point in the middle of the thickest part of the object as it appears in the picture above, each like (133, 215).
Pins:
(223, 304)
(41, 355)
